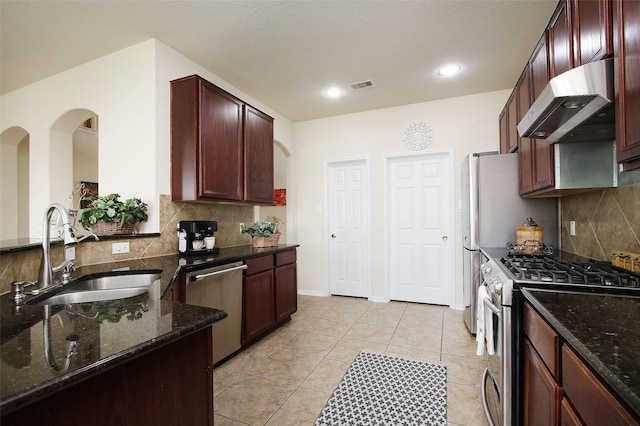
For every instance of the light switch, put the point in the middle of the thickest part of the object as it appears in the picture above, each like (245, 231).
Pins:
(572, 228)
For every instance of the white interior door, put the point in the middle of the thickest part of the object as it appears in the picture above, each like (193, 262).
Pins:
(348, 208)
(419, 226)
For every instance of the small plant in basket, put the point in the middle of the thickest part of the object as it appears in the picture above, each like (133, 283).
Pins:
(264, 233)
(122, 216)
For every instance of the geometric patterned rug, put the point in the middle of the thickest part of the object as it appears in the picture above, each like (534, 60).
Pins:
(388, 390)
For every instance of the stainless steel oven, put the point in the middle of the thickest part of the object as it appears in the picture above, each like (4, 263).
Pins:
(504, 274)
(497, 379)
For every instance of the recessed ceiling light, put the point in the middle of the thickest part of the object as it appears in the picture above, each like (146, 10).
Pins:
(449, 70)
(333, 92)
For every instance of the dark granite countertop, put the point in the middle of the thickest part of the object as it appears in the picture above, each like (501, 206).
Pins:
(108, 333)
(603, 329)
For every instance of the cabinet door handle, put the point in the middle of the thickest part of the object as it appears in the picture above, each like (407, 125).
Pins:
(445, 238)
(333, 235)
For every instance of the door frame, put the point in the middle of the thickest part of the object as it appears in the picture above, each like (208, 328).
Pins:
(452, 233)
(367, 219)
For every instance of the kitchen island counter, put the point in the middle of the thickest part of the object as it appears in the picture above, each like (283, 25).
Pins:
(602, 329)
(108, 334)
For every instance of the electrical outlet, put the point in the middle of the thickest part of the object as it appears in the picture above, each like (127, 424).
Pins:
(572, 228)
(120, 248)
(241, 226)
(70, 253)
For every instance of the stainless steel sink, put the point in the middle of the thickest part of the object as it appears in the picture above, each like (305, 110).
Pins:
(116, 280)
(83, 296)
(102, 286)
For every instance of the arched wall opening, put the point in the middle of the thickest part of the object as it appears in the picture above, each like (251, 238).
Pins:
(14, 184)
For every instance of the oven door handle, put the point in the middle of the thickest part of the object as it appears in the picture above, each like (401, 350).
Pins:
(489, 304)
(483, 394)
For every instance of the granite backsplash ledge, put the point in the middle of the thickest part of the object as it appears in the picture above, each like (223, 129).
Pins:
(23, 265)
(607, 220)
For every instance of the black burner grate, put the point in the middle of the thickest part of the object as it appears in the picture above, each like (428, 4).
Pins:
(552, 270)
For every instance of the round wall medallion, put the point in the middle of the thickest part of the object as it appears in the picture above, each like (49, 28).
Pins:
(418, 136)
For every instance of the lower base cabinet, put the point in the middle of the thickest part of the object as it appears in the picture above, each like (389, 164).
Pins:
(258, 313)
(542, 394)
(582, 388)
(577, 396)
(270, 293)
(172, 385)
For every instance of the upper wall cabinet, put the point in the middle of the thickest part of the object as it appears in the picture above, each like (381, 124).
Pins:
(508, 125)
(592, 34)
(258, 157)
(560, 40)
(221, 148)
(525, 153)
(579, 32)
(627, 69)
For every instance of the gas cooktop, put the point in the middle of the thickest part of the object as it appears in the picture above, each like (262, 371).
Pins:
(553, 270)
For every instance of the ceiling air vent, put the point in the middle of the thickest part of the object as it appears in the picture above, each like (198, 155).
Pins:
(362, 85)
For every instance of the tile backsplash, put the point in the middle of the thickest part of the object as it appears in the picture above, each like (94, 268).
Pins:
(607, 220)
(24, 264)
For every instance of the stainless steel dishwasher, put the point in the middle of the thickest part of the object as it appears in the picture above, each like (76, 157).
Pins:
(220, 287)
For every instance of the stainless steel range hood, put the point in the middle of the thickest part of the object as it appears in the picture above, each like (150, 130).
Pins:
(575, 106)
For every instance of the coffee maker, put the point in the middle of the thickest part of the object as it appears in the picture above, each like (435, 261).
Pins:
(196, 237)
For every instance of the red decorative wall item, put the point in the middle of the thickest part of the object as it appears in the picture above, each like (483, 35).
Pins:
(280, 197)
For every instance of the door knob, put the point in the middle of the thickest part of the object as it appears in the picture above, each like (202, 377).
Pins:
(333, 235)
(445, 238)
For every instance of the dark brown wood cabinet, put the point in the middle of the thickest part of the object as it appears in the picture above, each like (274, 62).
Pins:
(542, 393)
(286, 285)
(258, 157)
(172, 385)
(579, 32)
(270, 293)
(543, 172)
(525, 145)
(503, 123)
(559, 387)
(560, 40)
(593, 401)
(592, 34)
(221, 148)
(508, 125)
(258, 310)
(627, 69)
(568, 415)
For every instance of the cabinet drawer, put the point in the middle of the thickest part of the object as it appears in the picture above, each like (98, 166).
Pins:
(258, 264)
(595, 403)
(544, 339)
(285, 258)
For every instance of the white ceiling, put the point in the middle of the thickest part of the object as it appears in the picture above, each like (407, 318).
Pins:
(285, 53)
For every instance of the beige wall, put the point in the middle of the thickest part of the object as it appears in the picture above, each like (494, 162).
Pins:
(129, 91)
(465, 124)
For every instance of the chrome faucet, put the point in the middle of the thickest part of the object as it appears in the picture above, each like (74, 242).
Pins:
(45, 276)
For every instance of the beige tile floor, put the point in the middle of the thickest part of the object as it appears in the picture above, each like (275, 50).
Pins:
(287, 377)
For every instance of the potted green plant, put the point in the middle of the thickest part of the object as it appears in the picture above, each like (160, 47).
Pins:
(264, 233)
(108, 215)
